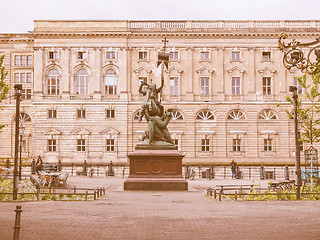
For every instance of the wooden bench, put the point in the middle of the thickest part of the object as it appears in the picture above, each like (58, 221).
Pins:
(240, 187)
(281, 185)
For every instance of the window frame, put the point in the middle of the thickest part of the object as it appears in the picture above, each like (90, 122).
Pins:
(52, 145)
(110, 145)
(266, 86)
(205, 145)
(267, 145)
(236, 86)
(236, 145)
(81, 114)
(81, 145)
(111, 89)
(52, 113)
(234, 54)
(82, 80)
(110, 113)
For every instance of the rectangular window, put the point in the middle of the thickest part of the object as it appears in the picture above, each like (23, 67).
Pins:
(236, 86)
(266, 85)
(174, 86)
(52, 145)
(236, 146)
(52, 113)
(174, 55)
(267, 145)
(204, 56)
(82, 55)
(266, 56)
(53, 55)
(29, 60)
(29, 78)
(235, 55)
(23, 60)
(25, 94)
(16, 77)
(110, 55)
(17, 60)
(205, 147)
(298, 85)
(110, 145)
(204, 85)
(81, 113)
(110, 113)
(81, 145)
(143, 55)
(23, 78)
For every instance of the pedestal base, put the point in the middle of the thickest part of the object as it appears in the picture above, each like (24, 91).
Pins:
(155, 170)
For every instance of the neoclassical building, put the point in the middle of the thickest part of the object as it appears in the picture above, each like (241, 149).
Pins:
(81, 79)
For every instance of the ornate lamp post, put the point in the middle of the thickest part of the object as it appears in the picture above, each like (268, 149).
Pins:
(294, 57)
(21, 132)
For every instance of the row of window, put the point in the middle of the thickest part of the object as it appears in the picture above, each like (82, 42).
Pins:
(174, 55)
(111, 83)
(266, 114)
(205, 145)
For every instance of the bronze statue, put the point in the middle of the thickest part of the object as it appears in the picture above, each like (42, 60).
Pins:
(157, 134)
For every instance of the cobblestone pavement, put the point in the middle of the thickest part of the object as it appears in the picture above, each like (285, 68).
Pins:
(160, 215)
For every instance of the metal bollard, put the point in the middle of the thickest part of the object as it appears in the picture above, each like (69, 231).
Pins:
(86, 195)
(104, 191)
(97, 191)
(278, 195)
(220, 193)
(38, 194)
(235, 195)
(94, 195)
(17, 223)
(74, 189)
(215, 194)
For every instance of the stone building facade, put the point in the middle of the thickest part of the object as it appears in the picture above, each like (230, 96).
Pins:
(81, 79)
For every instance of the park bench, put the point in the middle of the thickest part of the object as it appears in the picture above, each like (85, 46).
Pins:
(281, 185)
(53, 179)
(5, 171)
(237, 187)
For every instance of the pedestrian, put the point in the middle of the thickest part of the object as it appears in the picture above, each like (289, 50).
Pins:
(233, 168)
(39, 164)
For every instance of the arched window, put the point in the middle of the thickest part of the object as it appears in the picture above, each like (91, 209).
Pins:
(205, 115)
(82, 82)
(176, 115)
(236, 115)
(53, 82)
(110, 81)
(267, 115)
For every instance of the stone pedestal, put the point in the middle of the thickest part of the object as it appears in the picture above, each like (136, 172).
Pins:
(152, 169)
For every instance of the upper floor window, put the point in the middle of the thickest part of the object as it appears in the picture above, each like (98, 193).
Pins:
(82, 82)
(266, 56)
(110, 55)
(236, 86)
(174, 56)
(143, 55)
(81, 113)
(267, 115)
(52, 113)
(110, 82)
(23, 60)
(266, 85)
(22, 77)
(298, 85)
(25, 93)
(236, 115)
(205, 115)
(82, 55)
(53, 82)
(204, 85)
(204, 55)
(174, 85)
(53, 55)
(235, 55)
(110, 113)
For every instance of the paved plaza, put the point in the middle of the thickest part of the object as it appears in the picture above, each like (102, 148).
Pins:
(161, 215)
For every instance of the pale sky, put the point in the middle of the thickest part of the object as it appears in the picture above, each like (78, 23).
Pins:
(17, 15)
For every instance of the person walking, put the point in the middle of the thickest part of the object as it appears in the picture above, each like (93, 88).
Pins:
(233, 168)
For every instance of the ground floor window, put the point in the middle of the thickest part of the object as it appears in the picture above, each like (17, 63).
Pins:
(110, 145)
(52, 145)
(81, 145)
(236, 145)
(205, 145)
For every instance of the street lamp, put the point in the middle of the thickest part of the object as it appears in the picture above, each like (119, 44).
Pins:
(293, 89)
(18, 88)
(294, 57)
(21, 132)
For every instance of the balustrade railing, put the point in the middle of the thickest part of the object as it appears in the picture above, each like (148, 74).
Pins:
(217, 24)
